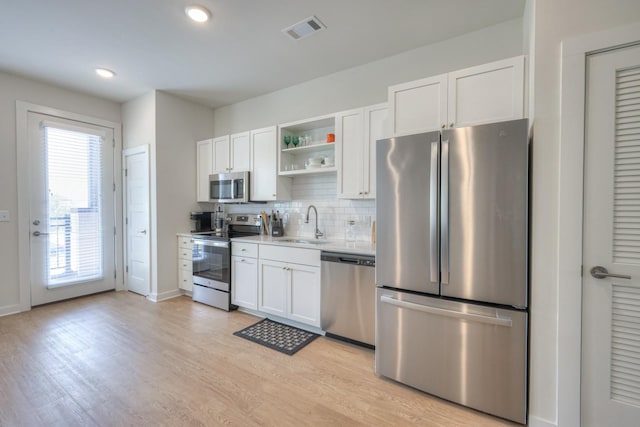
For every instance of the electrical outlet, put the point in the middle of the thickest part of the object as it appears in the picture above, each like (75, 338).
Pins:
(4, 216)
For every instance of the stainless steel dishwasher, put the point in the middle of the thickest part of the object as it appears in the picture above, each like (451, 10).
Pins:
(349, 297)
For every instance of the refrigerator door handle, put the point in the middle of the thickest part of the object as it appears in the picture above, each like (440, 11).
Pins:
(498, 321)
(444, 214)
(433, 214)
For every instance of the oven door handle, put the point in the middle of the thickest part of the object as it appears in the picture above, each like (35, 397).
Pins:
(211, 243)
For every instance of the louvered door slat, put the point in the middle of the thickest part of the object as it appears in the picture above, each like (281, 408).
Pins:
(627, 166)
(625, 344)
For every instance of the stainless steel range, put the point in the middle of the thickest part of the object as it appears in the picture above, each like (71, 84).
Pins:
(212, 260)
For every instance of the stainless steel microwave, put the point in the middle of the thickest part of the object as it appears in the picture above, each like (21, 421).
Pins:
(232, 187)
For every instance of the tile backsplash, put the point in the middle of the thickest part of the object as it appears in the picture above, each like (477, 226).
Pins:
(333, 213)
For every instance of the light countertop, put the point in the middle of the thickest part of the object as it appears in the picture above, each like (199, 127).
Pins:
(361, 248)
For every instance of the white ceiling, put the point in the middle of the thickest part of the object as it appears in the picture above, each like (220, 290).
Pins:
(239, 54)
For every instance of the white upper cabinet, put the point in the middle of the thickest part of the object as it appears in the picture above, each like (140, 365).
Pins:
(418, 106)
(221, 154)
(232, 153)
(240, 152)
(204, 167)
(265, 183)
(487, 93)
(483, 94)
(357, 132)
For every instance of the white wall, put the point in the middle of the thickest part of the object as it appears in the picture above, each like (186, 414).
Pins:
(555, 21)
(179, 124)
(170, 126)
(367, 84)
(13, 88)
(139, 128)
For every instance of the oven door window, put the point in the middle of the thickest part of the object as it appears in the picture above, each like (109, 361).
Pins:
(222, 190)
(211, 262)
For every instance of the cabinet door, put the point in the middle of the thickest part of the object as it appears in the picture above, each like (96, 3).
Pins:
(376, 126)
(273, 287)
(487, 93)
(244, 282)
(304, 295)
(264, 169)
(204, 167)
(240, 152)
(349, 140)
(418, 106)
(221, 154)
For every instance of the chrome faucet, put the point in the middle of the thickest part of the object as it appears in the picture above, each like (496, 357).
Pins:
(318, 233)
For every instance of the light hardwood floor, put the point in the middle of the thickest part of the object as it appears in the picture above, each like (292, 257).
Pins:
(118, 359)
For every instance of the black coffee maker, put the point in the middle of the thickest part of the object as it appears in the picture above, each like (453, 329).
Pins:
(202, 221)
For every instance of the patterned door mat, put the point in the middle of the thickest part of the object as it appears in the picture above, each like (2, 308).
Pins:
(283, 338)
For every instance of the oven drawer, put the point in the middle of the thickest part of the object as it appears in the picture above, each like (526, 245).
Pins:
(212, 297)
(249, 250)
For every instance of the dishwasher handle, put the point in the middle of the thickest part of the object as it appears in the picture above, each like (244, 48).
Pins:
(342, 258)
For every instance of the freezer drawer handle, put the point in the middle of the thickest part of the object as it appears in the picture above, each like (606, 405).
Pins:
(499, 321)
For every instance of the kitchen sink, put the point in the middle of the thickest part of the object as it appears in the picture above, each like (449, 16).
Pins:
(304, 242)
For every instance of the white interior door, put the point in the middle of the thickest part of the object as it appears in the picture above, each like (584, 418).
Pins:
(136, 164)
(72, 218)
(611, 305)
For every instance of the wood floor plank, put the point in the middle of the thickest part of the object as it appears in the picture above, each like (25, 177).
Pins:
(118, 359)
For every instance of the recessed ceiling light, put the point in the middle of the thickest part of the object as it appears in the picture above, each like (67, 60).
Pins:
(104, 73)
(197, 13)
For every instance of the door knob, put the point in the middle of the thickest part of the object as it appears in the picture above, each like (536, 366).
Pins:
(36, 222)
(600, 273)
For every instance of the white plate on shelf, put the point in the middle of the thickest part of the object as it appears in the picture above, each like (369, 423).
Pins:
(313, 166)
(328, 166)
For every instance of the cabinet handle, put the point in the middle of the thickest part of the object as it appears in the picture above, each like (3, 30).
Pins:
(243, 249)
(243, 260)
(451, 125)
(274, 195)
(444, 126)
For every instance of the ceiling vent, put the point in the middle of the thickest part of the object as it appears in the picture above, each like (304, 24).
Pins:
(304, 28)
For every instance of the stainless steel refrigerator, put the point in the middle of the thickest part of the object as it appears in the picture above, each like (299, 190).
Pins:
(451, 265)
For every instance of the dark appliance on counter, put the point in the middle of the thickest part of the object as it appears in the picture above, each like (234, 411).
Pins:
(451, 265)
(231, 187)
(202, 221)
(348, 297)
(212, 260)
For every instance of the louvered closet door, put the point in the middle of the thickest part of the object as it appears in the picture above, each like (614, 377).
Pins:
(611, 305)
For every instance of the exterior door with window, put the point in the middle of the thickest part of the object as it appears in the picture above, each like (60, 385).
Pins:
(611, 241)
(72, 214)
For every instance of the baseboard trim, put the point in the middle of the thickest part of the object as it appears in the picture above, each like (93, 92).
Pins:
(164, 295)
(12, 309)
(539, 422)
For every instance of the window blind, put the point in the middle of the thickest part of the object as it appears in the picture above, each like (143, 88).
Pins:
(74, 205)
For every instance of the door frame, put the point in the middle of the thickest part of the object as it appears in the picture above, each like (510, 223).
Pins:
(570, 209)
(141, 149)
(24, 190)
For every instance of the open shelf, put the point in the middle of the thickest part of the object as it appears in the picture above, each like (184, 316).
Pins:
(314, 171)
(316, 129)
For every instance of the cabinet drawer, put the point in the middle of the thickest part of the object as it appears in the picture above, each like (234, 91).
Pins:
(185, 242)
(290, 255)
(184, 264)
(185, 280)
(184, 254)
(249, 250)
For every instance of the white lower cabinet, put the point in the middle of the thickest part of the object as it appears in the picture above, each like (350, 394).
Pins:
(288, 289)
(273, 288)
(244, 275)
(185, 265)
(244, 282)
